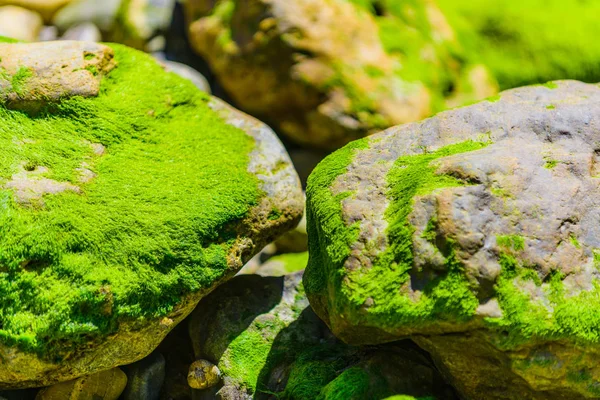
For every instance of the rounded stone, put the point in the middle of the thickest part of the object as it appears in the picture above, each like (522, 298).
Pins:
(203, 374)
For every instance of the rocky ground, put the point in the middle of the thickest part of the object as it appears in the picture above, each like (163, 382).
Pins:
(152, 237)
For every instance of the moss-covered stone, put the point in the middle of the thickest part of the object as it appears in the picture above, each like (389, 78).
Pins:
(267, 342)
(327, 72)
(456, 231)
(139, 201)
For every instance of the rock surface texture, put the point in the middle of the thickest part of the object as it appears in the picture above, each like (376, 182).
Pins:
(118, 213)
(476, 233)
(327, 72)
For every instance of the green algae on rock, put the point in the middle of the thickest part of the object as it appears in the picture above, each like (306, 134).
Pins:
(328, 72)
(121, 210)
(267, 342)
(454, 231)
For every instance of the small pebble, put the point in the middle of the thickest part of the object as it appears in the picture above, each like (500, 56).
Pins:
(203, 374)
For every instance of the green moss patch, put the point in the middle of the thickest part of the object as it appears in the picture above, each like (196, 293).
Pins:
(153, 224)
(329, 238)
(448, 296)
(519, 42)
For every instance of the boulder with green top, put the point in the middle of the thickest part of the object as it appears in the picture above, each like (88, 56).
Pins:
(475, 233)
(127, 195)
(328, 72)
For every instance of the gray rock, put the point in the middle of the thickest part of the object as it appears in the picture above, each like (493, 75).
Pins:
(96, 333)
(139, 21)
(19, 23)
(46, 8)
(475, 232)
(85, 32)
(145, 378)
(100, 13)
(294, 241)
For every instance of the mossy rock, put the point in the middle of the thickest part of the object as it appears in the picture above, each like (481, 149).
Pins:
(121, 208)
(325, 72)
(475, 232)
(269, 344)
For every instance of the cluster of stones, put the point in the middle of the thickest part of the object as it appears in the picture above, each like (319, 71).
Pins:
(455, 257)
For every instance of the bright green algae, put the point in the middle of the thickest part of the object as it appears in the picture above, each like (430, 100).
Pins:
(153, 226)
(530, 41)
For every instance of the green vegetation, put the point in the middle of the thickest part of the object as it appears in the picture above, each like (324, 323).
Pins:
(406, 31)
(519, 41)
(152, 225)
(511, 242)
(292, 262)
(19, 80)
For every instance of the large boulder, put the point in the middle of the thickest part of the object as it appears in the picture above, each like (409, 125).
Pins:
(267, 342)
(327, 72)
(127, 195)
(475, 233)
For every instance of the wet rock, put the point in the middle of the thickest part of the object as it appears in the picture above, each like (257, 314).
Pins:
(145, 378)
(106, 385)
(19, 23)
(474, 232)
